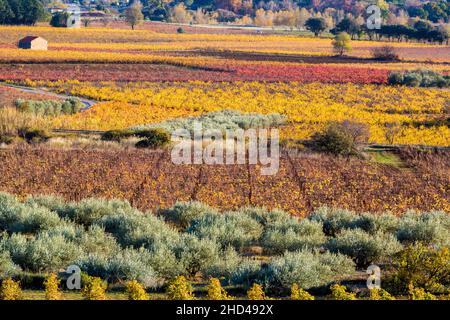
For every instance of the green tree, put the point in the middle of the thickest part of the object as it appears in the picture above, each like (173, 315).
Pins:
(348, 25)
(6, 13)
(316, 25)
(342, 43)
(59, 19)
(34, 11)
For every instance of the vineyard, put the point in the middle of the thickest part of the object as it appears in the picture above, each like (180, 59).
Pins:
(87, 176)
(149, 180)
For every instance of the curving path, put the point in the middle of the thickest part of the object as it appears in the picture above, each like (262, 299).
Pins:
(87, 103)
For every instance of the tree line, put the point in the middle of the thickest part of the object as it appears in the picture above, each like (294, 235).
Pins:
(419, 31)
(26, 12)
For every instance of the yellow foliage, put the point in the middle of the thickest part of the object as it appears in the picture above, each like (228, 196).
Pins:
(308, 107)
(10, 290)
(339, 292)
(298, 293)
(216, 292)
(380, 294)
(256, 292)
(64, 41)
(180, 289)
(420, 294)
(93, 288)
(51, 285)
(136, 291)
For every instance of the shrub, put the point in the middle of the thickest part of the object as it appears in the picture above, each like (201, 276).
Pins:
(7, 267)
(180, 30)
(49, 107)
(37, 219)
(292, 235)
(422, 267)
(298, 293)
(341, 138)
(116, 135)
(225, 266)
(183, 213)
(234, 229)
(88, 211)
(375, 223)
(10, 290)
(164, 261)
(196, 254)
(385, 53)
(16, 245)
(420, 294)
(246, 273)
(127, 264)
(334, 220)
(12, 121)
(93, 288)
(266, 217)
(51, 202)
(416, 78)
(50, 253)
(179, 289)
(364, 248)
(19, 217)
(51, 285)
(380, 294)
(32, 135)
(215, 291)
(220, 121)
(154, 138)
(396, 78)
(5, 139)
(136, 291)
(132, 264)
(95, 239)
(256, 292)
(339, 292)
(139, 230)
(308, 269)
(43, 253)
(342, 43)
(429, 228)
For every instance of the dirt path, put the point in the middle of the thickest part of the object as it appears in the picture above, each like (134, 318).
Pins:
(87, 103)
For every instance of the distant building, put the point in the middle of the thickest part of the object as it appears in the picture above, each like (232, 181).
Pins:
(74, 14)
(74, 20)
(33, 43)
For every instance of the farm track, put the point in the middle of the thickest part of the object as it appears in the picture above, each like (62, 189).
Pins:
(87, 103)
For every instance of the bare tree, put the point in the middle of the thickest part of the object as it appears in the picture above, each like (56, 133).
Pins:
(133, 14)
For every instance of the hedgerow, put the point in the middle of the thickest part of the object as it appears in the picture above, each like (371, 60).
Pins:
(50, 107)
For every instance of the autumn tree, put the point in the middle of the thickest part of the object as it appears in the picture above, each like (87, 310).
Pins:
(133, 14)
(341, 43)
(179, 14)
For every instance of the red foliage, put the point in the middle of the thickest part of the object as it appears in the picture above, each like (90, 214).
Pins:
(150, 180)
(231, 72)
